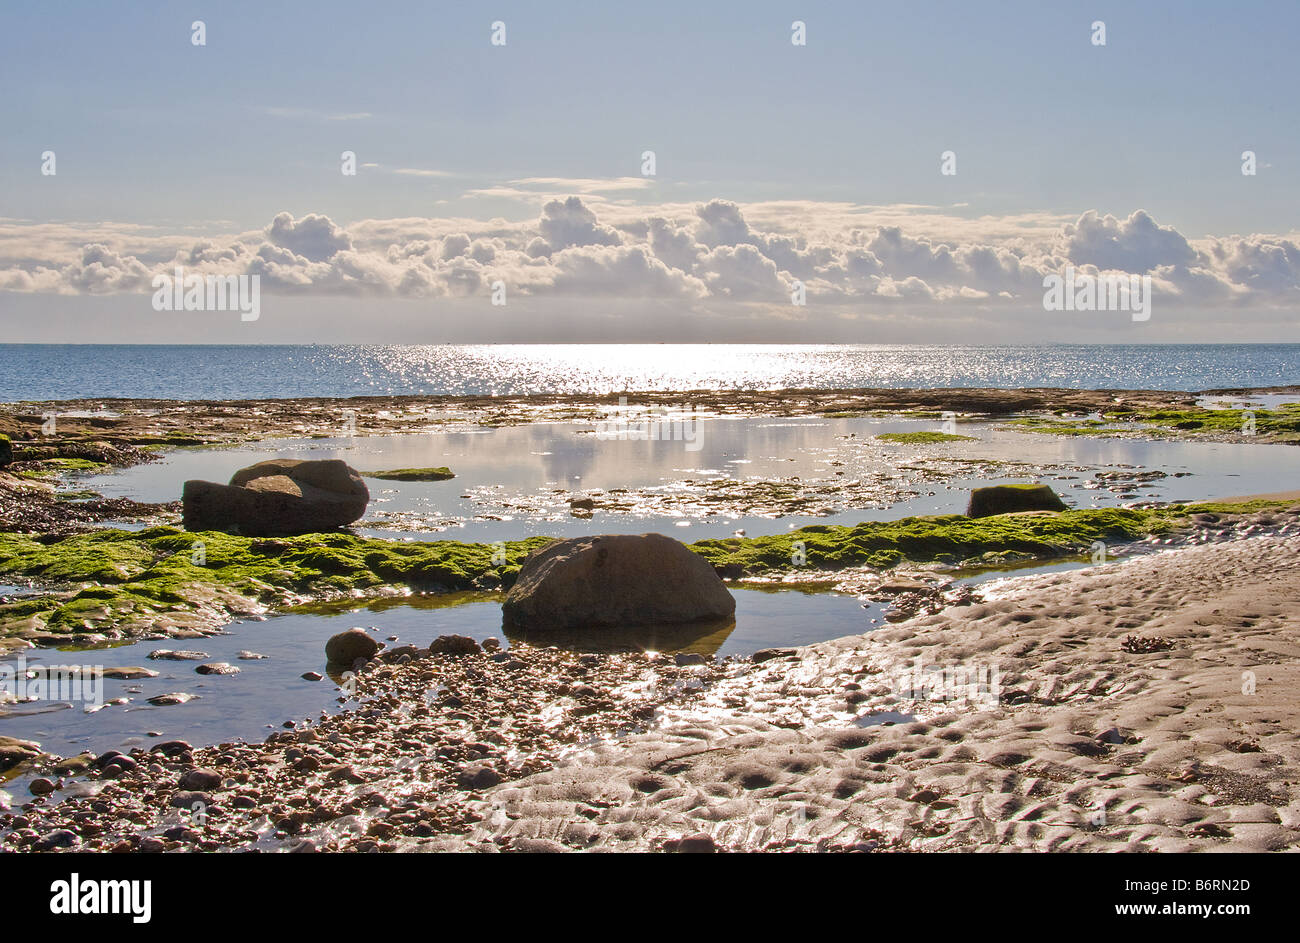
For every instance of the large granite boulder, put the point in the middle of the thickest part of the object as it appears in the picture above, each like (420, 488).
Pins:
(278, 498)
(1008, 499)
(615, 581)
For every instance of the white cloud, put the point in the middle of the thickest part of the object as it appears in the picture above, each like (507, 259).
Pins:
(859, 259)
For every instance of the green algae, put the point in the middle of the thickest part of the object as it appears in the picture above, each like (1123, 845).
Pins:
(136, 574)
(1274, 425)
(923, 438)
(951, 539)
(441, 473)
(131, 580)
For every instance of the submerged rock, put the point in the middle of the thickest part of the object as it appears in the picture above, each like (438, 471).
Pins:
(613, 581)
(1008, 499)
(278, 498)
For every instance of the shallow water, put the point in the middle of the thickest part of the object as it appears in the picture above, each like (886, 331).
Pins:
(516, 481)
(269, 691)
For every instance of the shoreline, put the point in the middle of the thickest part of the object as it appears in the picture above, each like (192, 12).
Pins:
(1092, 744)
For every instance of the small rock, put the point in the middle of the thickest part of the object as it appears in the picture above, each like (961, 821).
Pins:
(62, 838)
(454, 645)
(217, 668)
(129, 674)
(767, 654)
(479, 777)
(200, 779)
(683, 659)
(151, 845)
(700, 843)
(164, 654)
(187, 799)
(172, 747)
(40, 787)
(346, 647)
(312, 676)
(166, 700)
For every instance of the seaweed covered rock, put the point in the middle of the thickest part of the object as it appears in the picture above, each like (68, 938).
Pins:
(615, 581)
(278, 498)
(1008, 499)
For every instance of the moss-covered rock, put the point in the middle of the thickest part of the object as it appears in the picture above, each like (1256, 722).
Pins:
(1013, 498)
(923, 438)
(442, 473)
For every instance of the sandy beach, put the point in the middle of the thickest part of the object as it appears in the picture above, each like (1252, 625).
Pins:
(1091, 747)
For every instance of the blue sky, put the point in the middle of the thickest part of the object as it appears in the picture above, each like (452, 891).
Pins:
(151, 130)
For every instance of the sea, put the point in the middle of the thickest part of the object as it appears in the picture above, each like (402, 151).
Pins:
(40, 372)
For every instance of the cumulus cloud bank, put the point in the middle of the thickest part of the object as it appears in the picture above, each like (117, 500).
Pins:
(707, 253)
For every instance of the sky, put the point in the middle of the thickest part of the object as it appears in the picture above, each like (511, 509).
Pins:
(521, 164)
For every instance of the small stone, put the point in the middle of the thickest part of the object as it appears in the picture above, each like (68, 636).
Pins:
(166, 700)
(187, 799)
(167, 655)
(479, 777)
(684, 659)
(61, 838)
(454, 645)
(129, 674)
(700, 843)
(40, 787)
(767, 654)
(346, 647)
(151, 845)
(217, 668)
(250, 656)
(312, 676)
(172, 747)
(200, 779)
(491, 644)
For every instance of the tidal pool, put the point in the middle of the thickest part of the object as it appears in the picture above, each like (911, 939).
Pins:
(271, 690)
(760, 475)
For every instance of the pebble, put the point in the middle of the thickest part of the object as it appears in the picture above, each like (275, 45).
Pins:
(167, 700)
(217, 668)
(40, 787)
(168, 655)
(312, 676)
(200, 779)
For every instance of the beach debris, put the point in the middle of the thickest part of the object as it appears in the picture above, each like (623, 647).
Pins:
(1139, 645)
(277, 498)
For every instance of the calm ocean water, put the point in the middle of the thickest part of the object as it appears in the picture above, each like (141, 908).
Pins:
(44, 372)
